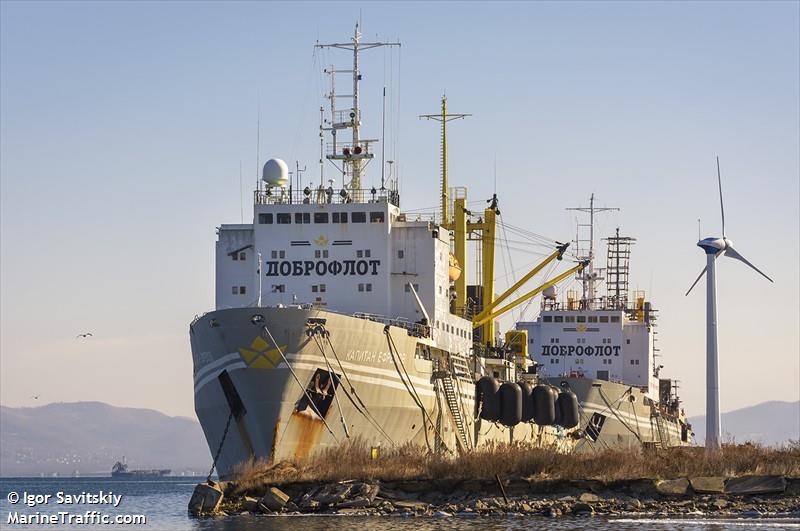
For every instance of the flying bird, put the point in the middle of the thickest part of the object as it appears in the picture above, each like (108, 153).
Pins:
(87, 334)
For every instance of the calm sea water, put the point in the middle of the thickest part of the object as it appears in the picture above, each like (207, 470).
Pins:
(163, 502)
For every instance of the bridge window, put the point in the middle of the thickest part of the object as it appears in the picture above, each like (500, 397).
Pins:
(359, 217)
(603, 318)
(284, 219)
(615, 318)
(376, 217)
(400, 254)
(592, 318)
(278, 288)
(547, 318)
(569, 319)
(581, 318)
(320, 217)
(340, 217)
(558, 318)
(265, 219)
(302, 218)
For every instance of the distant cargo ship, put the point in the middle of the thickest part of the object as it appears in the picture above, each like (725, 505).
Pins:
(120, 470)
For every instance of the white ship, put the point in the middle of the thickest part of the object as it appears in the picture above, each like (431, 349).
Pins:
(602, 346)
(340, 316)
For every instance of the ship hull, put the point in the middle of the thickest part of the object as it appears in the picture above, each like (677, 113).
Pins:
(317, 391)
(619, 416)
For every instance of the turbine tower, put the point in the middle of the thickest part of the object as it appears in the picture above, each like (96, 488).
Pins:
(714, 247)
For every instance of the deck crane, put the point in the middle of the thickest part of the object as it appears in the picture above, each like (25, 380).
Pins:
(489, 312)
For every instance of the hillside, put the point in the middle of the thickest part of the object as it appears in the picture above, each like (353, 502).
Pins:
(770, 423)
(89, 437)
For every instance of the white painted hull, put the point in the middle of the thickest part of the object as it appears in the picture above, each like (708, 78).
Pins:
(626, 422)
(277, 422)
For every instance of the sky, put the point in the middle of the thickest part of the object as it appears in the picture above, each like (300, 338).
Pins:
(123, 126)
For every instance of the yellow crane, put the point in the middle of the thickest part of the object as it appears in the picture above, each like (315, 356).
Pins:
(484, 317)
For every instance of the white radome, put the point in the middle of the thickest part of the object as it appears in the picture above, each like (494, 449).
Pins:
(276, 173)
(549, 293)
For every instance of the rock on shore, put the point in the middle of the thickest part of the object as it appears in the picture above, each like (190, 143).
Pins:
(749, 496)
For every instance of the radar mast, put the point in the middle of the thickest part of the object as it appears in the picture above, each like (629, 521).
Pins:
(354, 154)
(589, 275)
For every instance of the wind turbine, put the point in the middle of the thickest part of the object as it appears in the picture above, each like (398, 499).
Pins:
(714, 247)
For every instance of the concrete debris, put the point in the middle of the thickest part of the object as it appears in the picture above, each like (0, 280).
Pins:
(206, 499)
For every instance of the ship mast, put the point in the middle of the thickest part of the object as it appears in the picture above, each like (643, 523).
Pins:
(588, 276)
(352, 156)
(443, 118)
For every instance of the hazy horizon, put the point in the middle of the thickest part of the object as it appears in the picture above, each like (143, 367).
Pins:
(123, 127)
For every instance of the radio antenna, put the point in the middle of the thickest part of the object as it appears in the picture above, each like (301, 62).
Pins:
(241, 192)
(258, 138)
(383, 143)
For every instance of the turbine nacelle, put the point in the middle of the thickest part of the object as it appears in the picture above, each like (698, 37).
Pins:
(714, 245)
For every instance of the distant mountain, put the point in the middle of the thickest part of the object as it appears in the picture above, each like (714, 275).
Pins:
(770, 423)
(89, 437)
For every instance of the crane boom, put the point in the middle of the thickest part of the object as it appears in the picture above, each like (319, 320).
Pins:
(558, 253)
(478, 321)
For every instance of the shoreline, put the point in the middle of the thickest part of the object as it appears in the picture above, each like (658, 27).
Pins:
(747, 496)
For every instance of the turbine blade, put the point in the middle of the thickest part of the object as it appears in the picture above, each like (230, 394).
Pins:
(703, 272)
(730, 251)
(721, 205)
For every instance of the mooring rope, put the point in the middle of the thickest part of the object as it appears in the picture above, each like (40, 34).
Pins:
(411, 390)
(363, 409)
(335, 394)
(296, 379)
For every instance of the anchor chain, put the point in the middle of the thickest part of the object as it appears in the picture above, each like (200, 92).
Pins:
(219, 449)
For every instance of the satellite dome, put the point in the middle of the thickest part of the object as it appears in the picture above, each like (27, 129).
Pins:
(549, 292)
(276, 173)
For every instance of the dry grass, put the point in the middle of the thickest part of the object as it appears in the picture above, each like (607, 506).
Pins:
(352, 461)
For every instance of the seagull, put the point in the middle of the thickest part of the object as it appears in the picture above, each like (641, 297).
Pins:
(36, 397)
(87, 334)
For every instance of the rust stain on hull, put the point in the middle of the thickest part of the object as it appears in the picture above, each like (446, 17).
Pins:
(274, 440)
(304, 430)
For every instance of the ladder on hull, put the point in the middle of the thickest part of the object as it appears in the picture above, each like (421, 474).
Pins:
(662, 439)
(450, 384)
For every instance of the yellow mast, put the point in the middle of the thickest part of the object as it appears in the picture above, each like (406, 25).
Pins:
(443, 118)
(460, 249)
(487, 296)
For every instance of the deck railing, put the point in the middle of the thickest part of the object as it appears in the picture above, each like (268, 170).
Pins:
(325, 196)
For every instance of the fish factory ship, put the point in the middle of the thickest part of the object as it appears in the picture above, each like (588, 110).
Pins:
(339, 316)
(603, 349)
